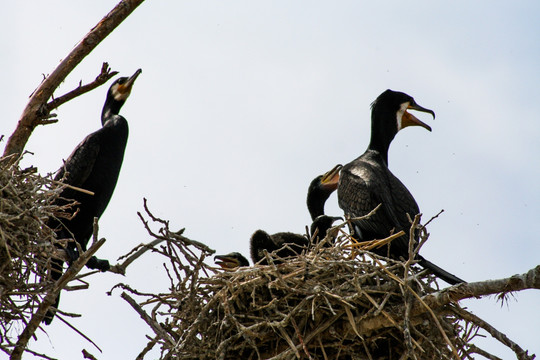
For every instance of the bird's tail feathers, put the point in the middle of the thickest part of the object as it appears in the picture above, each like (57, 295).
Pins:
(439, 272)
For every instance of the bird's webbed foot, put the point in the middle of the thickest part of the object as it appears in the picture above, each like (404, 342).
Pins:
(100, 264)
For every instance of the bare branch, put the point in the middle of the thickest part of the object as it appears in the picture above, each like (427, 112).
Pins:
(151, 322)
(520, 353)
(101, 79)
(121, 268)
(50, 298)
(529, 280)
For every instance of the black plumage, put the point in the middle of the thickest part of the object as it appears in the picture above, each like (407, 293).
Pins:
(94, 165)
(285, 244)
(367, 182)
(231, 260)
(320, 226)
(319, 191)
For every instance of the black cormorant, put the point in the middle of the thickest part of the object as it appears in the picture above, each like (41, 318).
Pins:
(320, 189)
(231, 260)
(285, 244)
(290, 244)
(367, 182)
(318, 192)
(320, 226)
(94, 165)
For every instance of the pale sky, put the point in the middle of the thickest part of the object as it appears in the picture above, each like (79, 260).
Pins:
(241, 104)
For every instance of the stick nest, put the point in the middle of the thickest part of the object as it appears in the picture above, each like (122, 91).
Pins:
(327, 303)
(26, 243)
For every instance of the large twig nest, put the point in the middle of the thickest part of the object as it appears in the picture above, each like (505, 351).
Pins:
(328, 303)
(26, 202)
(26, 244)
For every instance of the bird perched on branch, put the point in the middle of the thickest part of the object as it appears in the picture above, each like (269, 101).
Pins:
(367, 182)
(94, 166)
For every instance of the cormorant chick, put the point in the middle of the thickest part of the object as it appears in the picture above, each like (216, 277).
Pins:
(231, 260)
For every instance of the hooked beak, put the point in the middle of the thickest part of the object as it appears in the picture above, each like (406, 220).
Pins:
(409, 119)
(331, 178)
(126, 87)
(226, 262)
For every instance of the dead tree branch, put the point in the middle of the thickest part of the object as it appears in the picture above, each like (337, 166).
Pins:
(37, 109)
(101, 79)
(148, 319)
(453, 294)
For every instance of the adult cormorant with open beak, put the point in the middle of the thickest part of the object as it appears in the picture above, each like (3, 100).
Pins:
(94, 165)
(367, 182)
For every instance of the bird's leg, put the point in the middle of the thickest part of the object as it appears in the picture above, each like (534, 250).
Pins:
(99, 264)
(94, 263)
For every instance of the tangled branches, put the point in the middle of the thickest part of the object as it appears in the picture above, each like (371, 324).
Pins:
(328, 303)
(336, 302)
(26, 244)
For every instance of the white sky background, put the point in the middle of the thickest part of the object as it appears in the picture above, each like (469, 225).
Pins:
(241, 104)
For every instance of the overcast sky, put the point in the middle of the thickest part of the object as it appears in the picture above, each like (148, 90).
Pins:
(242, 103)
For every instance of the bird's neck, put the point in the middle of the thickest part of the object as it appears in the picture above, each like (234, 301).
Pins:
(382, 150)
(112, 107)
(380, 141)
(315, 204)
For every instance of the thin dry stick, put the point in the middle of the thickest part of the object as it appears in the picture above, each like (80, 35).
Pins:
(101, 79)
(84, 191)
(520, 353)
(121, 268)
(151, 322)
(50, 298)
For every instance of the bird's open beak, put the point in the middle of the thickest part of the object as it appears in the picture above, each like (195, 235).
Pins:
(226, 262)
(126, 87)
(409, 119)
(330, 179)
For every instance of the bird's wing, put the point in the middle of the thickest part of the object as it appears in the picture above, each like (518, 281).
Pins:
(361, 189)
(79, 164)
(403, 203)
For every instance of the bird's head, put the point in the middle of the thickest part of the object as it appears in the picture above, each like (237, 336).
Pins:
(391, 107)
(116, 96)
(231, 261)
(321, 224)
(329, 180)
(389, 114)
(121, 87)
(320, 189)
